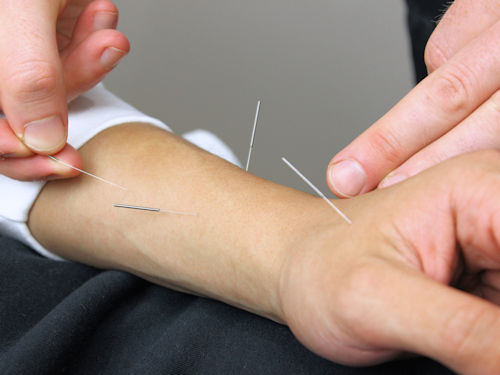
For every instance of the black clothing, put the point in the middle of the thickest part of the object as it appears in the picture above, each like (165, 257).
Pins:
(67, 318)
(423, 16)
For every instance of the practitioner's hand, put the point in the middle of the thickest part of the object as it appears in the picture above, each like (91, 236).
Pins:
(453, 111)
(363, 293)
(50, 52)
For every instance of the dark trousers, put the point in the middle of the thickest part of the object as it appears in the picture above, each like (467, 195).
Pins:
(67, 318)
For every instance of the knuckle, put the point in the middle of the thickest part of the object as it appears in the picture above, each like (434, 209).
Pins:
(358, 289)
(434, 56)
(450, 89)
(387, 144)
(33, 81)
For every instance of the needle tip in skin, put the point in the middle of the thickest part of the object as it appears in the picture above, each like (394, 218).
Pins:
(252, 139)
(87, 173)
(312, 186)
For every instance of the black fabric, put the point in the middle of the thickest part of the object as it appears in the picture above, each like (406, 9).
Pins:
(423, 16)
(66, 318)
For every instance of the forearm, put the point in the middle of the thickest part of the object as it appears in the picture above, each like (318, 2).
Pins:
(359, 294)
(232, 250)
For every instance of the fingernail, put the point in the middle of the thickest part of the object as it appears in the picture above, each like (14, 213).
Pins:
(105, 20)
(45, 135)
(111, 57)
(347, 177)
(392, 179)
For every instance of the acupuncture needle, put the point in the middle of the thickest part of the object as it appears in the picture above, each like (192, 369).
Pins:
(87, 173)
(153, 209)
(121, 187)
(253, 135)
(312, 186)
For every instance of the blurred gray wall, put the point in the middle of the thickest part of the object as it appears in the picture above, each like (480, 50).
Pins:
(324, 70)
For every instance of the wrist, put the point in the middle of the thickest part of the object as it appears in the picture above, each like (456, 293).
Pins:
(317, 239)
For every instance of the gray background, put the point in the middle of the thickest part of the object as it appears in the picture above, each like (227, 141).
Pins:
(324, 70)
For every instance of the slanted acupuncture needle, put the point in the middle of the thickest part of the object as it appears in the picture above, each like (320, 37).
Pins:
(312, 186)
(153, 209)
(87, 173)
(122, 188)
(253, 135)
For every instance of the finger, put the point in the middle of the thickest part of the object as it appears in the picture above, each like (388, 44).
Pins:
(464, 21)
(490, 294)
(492, 279)
(40, 167)
(74, 28)
(479, 131)
(431, 109)
(68, 19)
(10, 145)
(32, 90)
(414, 313)
(490, 286)
(95, 57)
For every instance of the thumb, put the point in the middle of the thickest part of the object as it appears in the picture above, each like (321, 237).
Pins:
(32, 93)
(422, 316)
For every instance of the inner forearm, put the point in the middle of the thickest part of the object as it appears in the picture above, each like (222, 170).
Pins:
(232, 250)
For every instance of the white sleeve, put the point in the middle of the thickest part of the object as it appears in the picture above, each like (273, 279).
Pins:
(91, 113)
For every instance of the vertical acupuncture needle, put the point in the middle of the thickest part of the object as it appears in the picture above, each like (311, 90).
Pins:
(87, 173)
(153, 209)
(253, 135)
(304, 178)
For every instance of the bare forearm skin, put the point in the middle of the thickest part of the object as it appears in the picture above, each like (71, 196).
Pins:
(232, 250)
(356, 294)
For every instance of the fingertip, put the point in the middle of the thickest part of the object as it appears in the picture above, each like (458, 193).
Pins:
(102, 6)
(41, 167)
(45, 136)
(76, 27)
(105, 20)
(65, 167)
(111, 57)
(95, 57)
(346, 178)
(105, 14)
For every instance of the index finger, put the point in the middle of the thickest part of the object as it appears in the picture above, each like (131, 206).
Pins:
(432, 108)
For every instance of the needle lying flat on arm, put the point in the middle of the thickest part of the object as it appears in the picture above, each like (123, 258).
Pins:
(253, 134)
(153, 209)
(317, 190)
(87, 173)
